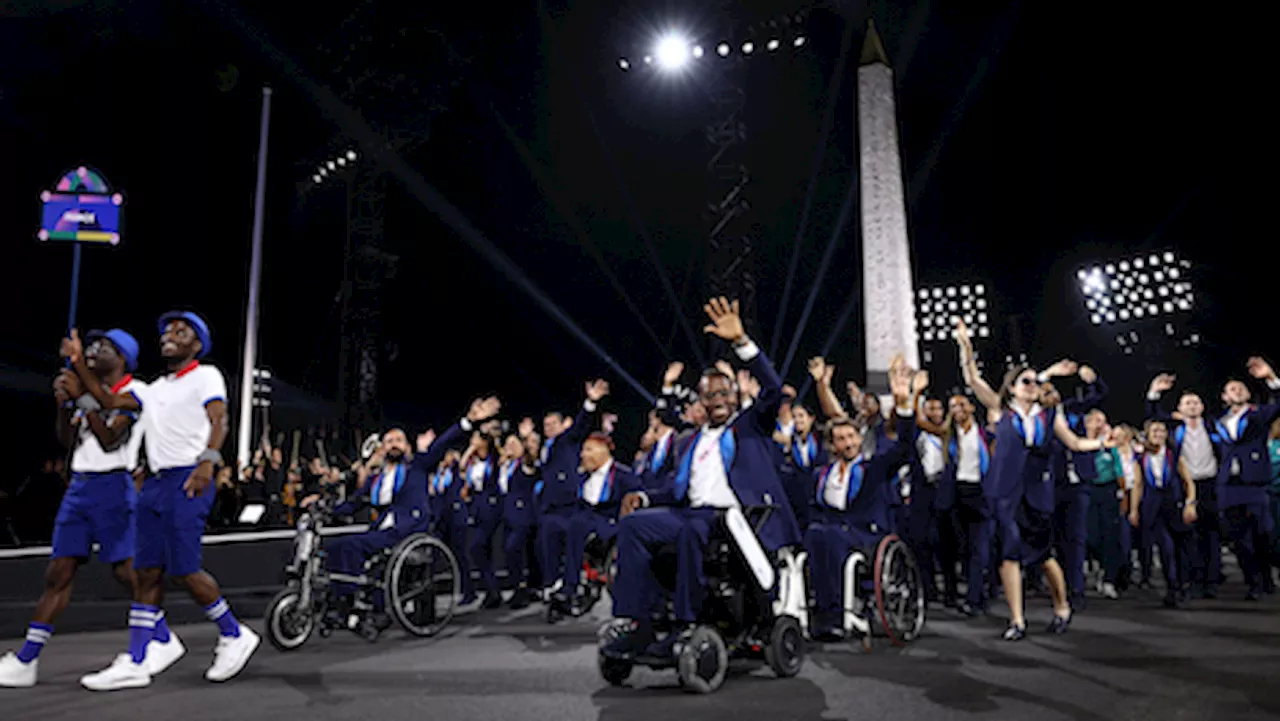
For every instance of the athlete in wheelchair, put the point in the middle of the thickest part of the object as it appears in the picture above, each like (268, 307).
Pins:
(393, 570)
(736, 589)
(855, 564)
(591, 529)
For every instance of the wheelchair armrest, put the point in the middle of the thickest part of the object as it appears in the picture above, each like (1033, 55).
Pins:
(758, 514)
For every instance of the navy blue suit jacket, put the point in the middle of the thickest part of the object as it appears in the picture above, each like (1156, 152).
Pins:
(869, 510)
(622, 480)
(409, 507)
(753, 474)
(560, 475)
(518, 503)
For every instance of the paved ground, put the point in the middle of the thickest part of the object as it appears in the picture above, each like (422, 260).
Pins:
(1122, 660)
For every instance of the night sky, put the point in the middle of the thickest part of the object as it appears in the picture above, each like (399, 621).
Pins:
(1036, 138)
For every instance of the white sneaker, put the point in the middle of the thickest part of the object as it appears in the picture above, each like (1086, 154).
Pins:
(232, 654)
(122, 673)
(161, 656)
(16, 674)
(1109, 591)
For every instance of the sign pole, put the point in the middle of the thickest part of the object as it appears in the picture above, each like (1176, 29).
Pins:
(75, 285)
(251, 312)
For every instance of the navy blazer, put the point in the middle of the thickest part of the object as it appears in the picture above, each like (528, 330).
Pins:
(753, 473)
(1249, 447)
(654, 470)
(410, 507)
(869, 509)
(560, 475)
(1019, 472)
(620, 481)
(1061, 459)
(1178, 429)
(951, 453)
(488, 499)
(518, 502)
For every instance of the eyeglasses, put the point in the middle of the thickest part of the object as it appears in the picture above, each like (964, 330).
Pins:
(714, 395)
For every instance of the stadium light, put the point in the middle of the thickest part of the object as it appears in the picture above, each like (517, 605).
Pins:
(672, 52)
(675, 51)
(333, 167)
(939, 307)
(1136, 288)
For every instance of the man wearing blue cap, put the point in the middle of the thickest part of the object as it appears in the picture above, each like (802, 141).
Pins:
(98, 507)
(186, 425)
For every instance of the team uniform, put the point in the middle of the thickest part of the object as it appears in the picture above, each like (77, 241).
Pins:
(97, 508)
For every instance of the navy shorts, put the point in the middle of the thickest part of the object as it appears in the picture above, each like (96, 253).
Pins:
(170, 525)
(1025, 534)
(97, 508)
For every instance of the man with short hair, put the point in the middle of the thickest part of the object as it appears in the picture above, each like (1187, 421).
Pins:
(98, 507)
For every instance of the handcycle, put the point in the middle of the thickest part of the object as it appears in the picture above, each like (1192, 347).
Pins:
(756, 608)
(416, 581)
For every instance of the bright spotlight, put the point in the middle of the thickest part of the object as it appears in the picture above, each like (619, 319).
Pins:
(648, 60)
(723, 50)
(331, 165)
(623, 64)
(316, 178)
(748, 48)
(799, 41)
(697, 51)
(772, 45)
(342, 160)
(323, 170)
(672, 52)
(351, 155)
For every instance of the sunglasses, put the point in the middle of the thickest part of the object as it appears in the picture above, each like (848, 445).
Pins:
(1027, 381)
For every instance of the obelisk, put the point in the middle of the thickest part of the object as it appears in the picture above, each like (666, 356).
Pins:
(887, 289)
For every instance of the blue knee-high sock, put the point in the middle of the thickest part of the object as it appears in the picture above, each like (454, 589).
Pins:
(220, 613)
(142, 625)
(162, 628)
(38, 635)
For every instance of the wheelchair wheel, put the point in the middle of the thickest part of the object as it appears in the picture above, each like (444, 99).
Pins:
(614, 671)
(288, 624)
(421, 585)
(899, 591)
(785, 650)
(703, 661)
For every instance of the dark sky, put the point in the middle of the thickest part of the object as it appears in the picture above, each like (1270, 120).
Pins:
(1036, 138)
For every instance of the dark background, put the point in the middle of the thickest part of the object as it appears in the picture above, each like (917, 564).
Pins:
(1036, 137)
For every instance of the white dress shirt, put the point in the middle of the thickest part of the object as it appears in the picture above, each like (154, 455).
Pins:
(835, 494)
(708, 481)
(594, 485)
(969, 465)
(1028, 422)
(932, 460)
(1197, 450)
(1157, 467)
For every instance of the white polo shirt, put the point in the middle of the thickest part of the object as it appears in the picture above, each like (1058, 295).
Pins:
(177, 425)
(90, 457)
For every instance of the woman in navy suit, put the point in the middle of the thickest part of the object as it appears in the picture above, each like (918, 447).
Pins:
(1019, 485)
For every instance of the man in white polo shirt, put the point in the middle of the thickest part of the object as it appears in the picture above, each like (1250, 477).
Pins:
(98, 507)
(186, 424)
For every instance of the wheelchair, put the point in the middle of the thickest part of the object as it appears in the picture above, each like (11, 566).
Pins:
(756, 608)
(599, 568)
(892, 585)
(416, 580)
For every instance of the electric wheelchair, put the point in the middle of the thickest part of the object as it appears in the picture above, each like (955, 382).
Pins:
(891, 586)
(416, 580)
(755, 608)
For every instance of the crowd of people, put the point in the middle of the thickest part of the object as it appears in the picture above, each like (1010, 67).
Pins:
(1011, 479)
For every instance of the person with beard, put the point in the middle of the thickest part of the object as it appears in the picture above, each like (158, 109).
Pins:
(399, 493)
(729, 462)
(1019, 484)
(517, 475)
(561, 479)
(186, 424)
(98, 506)
(850, 498)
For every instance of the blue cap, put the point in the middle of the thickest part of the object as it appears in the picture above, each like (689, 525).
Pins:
(197, 324)
(126, 345)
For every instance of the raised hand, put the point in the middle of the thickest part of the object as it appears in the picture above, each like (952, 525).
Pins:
(1260, 369)
(962, 336)
(724, 367)
(71, 383)
(675, 369)
(726, 323)
(597, 390)
(1162, 383)
(482, 409)
(919, 382)
(1088, 375)
(72, 349)
(1062, 368)
(425, 440)
(817, 369)
(609, 422)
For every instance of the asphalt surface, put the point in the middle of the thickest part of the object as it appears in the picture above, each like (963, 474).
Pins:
(1127, 659)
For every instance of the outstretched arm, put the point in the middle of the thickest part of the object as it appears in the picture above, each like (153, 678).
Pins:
(581, 428)
(1069, 439)
(431, 449)
(822, 375)
(969, 369)
(1095, 392)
